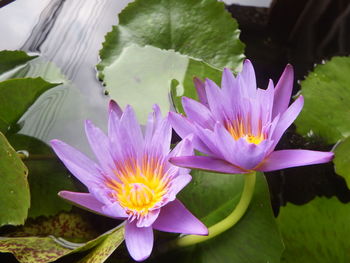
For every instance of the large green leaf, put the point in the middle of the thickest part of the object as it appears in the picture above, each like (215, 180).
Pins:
(342, 160)
(201, 29)
(327, 96)
(47, 176)
(142, 76)
(16, 97)
(11, 59)
(317, 232)
(14, 189)
(254, 239)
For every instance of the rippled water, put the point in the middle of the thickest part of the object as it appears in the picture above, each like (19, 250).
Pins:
(69, 34)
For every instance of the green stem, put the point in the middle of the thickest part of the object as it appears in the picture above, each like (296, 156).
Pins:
(230, 220)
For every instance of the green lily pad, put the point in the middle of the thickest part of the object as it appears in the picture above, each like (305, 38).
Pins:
(317, 232)
(47, 176)
(342, 160)
(142, 77)
(16, 97)
(326, 112)
(14, 189)
(11, 59)
(200, 29)
(255, 238)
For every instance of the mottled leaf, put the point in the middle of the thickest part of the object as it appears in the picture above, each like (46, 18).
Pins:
(49, 245)
(11, 59)
(71, 226)
(317, 232)
(16, 97)
(14, 189)
(326, 112)
(33, 249)
(101, 252)
(47, 176)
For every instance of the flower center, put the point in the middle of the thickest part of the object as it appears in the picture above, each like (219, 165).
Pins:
(239, 130)
(139, 190)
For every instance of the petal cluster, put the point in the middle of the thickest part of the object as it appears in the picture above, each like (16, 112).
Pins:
(239, 125)
(133, 179)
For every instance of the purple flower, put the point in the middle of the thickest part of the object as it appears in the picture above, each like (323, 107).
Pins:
(133, 179)
(238, 126)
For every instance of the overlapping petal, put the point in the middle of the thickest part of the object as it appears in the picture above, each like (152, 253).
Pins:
(244, 127)
(177, 219)
(134, 179)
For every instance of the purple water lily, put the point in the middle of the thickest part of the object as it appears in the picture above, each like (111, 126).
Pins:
(239, 125)
(133, 180)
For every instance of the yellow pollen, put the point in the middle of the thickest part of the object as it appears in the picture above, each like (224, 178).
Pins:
(139, 189)
(239, 130)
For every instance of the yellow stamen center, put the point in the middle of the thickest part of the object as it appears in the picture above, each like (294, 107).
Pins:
(239, 130)
(139, 189)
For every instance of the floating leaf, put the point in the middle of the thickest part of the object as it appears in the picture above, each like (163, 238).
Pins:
(142, 76)
(326, 90)
(255, 238)
(47, 176)
(101, 252)
(342, 160)
(49, 245)
(71, 226)
(201, 29)
(14, 189)
(317, 232)
(16, 97)
(11, 59)
(33, 249)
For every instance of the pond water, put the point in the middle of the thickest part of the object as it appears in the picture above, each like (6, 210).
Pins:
(69, 34)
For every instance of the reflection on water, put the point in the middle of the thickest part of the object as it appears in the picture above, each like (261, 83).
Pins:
(69, 34)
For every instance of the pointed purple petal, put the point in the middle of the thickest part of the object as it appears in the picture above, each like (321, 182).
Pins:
(154, 118)
(286, 119)
(177, 184)
(99, 143)
(200, 87)
(146, 221)
(183, 148)
(113, 106)
(183, 127)
(247, 74)
(85, 170)
(283, 91)
(139, 241)
(198, 112)
(206, 163)
(292, 158)
(240, 152)
(89, 202)
(130, 128)
(180, 124)
(175, 218)
(83, 200)
(216, 100)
